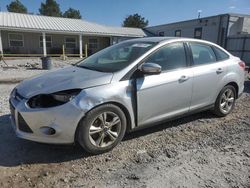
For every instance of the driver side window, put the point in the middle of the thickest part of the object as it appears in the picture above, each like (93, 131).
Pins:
(169, 57)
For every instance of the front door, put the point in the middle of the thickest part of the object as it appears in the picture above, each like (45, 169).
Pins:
(169, 93)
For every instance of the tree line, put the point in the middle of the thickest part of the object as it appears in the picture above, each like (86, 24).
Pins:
(49, 8)
(52, 8)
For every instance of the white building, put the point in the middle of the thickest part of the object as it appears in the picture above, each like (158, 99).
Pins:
(27, 35)
(231, 31)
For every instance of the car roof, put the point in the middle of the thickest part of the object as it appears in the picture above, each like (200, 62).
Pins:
(164, 39)
(154, 39)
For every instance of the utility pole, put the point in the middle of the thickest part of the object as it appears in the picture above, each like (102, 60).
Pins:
(199, 14)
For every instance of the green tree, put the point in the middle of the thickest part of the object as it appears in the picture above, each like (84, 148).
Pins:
(72, 13)
(50, 8)
(135, 20)
(16, 6)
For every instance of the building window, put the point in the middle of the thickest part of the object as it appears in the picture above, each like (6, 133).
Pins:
(161, 33)
(70, 42)
(48, 41)
(16, 40)
(93, 43)
(198, 33)
(177, 33)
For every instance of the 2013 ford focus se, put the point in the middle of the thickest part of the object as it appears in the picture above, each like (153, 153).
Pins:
(126, 86)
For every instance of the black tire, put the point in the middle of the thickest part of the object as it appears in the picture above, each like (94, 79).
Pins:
(84, 138)
(217, 108)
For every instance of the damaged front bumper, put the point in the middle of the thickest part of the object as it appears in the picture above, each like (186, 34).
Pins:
(56, 125)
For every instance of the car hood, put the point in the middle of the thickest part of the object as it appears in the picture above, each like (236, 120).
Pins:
(70, 77)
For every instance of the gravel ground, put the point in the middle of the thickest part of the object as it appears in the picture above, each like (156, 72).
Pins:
(196, 151)
(20, 69)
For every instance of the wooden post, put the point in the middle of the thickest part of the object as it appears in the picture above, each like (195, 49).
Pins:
(86, 50)
(63, 49)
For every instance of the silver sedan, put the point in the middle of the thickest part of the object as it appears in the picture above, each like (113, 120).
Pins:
(129, 85)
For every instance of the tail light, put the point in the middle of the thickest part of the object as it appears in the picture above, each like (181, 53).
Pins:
(242, 65)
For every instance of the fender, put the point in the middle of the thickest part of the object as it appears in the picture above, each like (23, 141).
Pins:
(121, 94)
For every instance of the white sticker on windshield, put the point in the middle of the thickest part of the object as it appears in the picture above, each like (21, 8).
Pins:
(141, 45)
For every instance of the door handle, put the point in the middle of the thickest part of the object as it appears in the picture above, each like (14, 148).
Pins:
(183, 78)
(219, 70)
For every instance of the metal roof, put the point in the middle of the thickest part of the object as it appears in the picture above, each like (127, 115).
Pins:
(191, 20)
(38, 23)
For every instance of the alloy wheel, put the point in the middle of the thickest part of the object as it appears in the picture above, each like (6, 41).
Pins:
(104, 130)
(227, 101)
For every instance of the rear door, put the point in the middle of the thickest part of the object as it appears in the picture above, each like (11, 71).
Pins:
(208, 75)
(169, 93)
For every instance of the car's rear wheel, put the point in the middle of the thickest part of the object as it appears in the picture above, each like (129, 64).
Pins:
(102, 129)
(225, 101)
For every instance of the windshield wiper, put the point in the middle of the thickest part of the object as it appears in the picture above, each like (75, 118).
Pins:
(89, 68)
(85, 67)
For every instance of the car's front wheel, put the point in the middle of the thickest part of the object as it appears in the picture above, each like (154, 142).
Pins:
(102, 129)
(225, 101)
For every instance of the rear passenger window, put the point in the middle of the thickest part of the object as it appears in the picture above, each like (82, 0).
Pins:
(221, 55)
(171, 56)
(202, 54)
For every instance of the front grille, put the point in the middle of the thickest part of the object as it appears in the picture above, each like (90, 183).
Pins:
(22, 125)
(12, 111)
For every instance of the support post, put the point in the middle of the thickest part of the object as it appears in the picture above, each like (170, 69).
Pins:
(63, 49)
(1, 45)
(80, 45)
(243, 47)
(44, 45)
(110, 41)
(86, 50)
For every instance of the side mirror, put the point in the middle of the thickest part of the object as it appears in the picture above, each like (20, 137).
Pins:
(150, 68)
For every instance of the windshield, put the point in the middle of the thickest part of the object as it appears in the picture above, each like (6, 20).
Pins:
(116, 57)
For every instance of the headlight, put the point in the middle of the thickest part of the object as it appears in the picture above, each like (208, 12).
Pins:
(53, 99)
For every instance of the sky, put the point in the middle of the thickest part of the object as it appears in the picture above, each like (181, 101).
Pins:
(113, 12)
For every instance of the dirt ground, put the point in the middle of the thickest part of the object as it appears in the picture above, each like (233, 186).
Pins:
(196, 151)
(22, 68)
